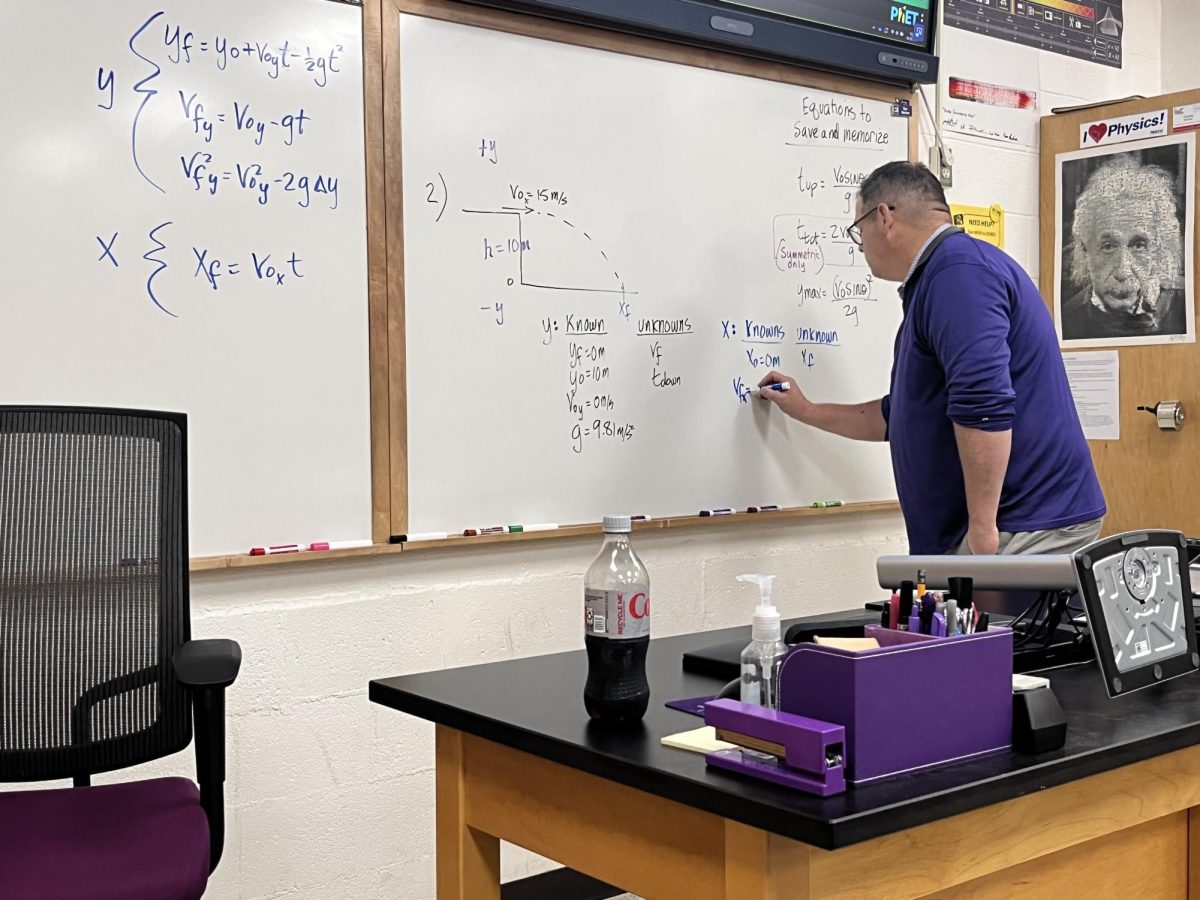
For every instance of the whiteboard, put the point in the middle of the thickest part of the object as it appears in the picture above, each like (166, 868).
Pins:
(602, 254)
(185, 229)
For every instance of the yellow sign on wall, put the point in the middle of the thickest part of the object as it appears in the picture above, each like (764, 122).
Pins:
(985, 223)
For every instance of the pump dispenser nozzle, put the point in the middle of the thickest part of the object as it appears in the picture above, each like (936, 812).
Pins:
(762, 658)
(766, 620)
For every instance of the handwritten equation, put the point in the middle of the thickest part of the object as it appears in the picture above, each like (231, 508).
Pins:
(205, 175)
(288, 126)
(193, 133)
(274, 60)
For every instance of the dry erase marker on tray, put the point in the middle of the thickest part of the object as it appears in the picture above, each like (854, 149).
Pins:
(491, 529)
(767, 508)
(339, 545)
(278, 548)
(822, 504)
(777, 386)
(723, 511)
(541, 526)
(418, 536)
(639, 518)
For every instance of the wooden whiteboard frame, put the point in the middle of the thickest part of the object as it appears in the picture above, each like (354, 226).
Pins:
(581, 36)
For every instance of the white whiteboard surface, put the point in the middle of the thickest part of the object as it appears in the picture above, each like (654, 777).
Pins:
(161, 180)
(666, 209)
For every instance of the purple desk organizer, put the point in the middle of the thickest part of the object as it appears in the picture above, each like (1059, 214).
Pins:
(914, 703)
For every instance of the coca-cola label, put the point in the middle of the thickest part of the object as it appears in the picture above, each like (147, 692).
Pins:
(616, 614)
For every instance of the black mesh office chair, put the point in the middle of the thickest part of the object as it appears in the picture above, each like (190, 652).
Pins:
(97, 669)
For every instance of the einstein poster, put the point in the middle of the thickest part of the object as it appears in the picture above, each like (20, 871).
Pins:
(1123, 240)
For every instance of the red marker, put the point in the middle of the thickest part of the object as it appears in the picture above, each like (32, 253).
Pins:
(340, 545)
(494, 529)
(277, 548)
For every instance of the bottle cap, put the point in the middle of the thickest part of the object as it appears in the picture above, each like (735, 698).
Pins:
(617, 525)
(766, 625)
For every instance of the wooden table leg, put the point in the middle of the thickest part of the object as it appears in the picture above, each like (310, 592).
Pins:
(468, 861)
(1194, 853)
(764, 866)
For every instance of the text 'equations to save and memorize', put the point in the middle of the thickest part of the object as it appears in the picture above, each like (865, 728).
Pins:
(600, 268)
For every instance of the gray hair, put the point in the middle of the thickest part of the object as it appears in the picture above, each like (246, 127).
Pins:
(1125, 181)
(902, 183)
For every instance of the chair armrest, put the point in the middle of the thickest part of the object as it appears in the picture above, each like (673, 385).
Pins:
(212, 663)
(208, 667)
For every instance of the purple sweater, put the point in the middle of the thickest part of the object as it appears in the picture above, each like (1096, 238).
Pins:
(977, 347)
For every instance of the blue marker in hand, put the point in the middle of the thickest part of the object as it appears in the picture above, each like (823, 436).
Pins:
(777, 386)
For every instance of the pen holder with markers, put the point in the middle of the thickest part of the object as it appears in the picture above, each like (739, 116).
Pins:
(914, 702)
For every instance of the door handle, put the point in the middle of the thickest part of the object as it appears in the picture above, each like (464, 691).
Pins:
(1169, 413)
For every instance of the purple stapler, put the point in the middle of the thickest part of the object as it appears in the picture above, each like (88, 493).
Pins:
(789, 750)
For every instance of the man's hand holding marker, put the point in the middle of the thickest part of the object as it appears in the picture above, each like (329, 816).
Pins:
(781, 390)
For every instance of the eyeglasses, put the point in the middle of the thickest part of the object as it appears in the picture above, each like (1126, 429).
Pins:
(855, 232)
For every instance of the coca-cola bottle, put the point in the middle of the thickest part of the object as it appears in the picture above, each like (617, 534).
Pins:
(616, 618)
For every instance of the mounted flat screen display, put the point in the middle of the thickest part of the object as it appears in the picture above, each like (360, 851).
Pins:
(889, 40)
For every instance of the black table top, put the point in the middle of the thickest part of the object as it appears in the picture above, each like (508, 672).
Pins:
(536, 705)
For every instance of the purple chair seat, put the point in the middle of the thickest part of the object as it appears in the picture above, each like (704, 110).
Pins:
(146, 840)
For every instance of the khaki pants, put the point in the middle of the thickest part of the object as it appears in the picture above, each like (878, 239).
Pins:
(1056, 540)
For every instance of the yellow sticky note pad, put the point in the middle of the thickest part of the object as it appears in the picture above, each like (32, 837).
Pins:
(700, 740)
(847, 643)
(983, 222)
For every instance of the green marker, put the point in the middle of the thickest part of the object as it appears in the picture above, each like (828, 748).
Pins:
(822, 504)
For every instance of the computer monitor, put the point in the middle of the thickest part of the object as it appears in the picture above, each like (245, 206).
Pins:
(1138, 594)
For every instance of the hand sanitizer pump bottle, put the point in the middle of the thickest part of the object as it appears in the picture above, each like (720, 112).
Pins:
(764, 654)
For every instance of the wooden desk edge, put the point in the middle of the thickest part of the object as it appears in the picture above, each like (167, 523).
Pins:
(502, 793)
(211, 563)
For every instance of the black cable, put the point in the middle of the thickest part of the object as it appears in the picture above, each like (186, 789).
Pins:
(1017, 621)
(1034, 611)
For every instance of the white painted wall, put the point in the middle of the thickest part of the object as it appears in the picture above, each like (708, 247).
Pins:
(988, 172)
(330, 797)
(1180, 62)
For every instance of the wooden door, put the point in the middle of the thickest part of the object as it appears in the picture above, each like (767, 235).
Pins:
(1148, 475)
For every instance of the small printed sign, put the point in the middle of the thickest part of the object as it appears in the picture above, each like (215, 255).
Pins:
(901, 108)
(983, 222)
(1186, 118)
(1123, 128)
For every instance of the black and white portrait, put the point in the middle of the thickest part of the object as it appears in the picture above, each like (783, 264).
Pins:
(1124, 243)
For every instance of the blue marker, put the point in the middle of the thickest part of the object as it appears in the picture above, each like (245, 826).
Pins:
(777, 386)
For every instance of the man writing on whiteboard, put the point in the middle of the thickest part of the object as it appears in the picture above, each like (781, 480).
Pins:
(986, 446)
